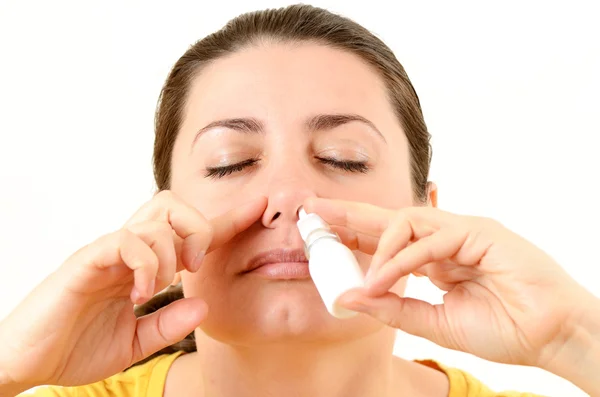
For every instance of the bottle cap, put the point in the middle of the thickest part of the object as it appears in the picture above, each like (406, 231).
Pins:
(308, 223)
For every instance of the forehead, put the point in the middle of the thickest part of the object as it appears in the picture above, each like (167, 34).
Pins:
(287, 81)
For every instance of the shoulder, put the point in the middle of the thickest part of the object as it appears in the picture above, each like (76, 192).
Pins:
(144, 380)
(463, 384)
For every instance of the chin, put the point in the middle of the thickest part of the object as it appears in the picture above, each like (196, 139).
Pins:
(278, 312)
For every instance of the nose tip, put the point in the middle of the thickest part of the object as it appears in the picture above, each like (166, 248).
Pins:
(284, 206)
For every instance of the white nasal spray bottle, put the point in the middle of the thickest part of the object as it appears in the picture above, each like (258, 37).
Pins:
(332, 266)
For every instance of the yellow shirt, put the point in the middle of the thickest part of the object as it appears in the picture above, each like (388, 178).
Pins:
(148, 380)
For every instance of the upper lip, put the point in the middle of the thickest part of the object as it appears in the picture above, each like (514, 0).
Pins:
(276, 256)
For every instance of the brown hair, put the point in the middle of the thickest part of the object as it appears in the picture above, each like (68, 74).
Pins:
(290, 24)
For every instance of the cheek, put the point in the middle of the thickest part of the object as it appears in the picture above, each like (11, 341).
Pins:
(188, 182)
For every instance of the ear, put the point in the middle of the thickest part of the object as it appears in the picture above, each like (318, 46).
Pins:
(432, 194)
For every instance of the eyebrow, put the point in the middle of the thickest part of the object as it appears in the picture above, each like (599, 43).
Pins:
(330, 121)
(320, 122)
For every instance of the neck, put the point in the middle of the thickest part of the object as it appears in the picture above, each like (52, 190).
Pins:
(362, 367)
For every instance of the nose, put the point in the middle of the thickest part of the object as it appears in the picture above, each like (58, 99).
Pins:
(285, 199)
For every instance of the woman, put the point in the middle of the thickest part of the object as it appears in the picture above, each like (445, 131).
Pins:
(282, 109)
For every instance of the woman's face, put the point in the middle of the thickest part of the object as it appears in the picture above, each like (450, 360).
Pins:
(294, 120)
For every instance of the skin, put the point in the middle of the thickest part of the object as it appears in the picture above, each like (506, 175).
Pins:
(500, 288)
(265, 337)
(282, 327)
(78, 326)
(282, 88)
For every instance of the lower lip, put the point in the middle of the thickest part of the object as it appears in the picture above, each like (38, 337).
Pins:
(283, 271)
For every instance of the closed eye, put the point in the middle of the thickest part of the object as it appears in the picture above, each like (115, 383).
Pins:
(345, 165)
(223, 171)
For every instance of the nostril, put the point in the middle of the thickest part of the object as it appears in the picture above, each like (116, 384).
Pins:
(276, 216)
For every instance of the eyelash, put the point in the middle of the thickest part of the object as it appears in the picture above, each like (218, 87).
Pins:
(220, 172)
(344, 165)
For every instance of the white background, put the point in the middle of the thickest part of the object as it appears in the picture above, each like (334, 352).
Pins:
(510, 92)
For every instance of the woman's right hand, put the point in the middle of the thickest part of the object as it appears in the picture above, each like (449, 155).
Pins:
(78, 326)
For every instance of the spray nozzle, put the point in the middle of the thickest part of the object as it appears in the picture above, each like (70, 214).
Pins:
(301, 213)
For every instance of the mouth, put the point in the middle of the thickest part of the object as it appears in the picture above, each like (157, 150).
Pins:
(279, 264)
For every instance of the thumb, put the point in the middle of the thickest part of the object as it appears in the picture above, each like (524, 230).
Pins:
(413, 316)
(167, 326)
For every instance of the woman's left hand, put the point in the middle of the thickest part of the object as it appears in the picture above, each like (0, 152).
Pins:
(507, 300)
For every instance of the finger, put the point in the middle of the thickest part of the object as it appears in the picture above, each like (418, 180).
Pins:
(373, 221)
(361, 217)
(125, 247)
(410, 315)
(167, 326)
(199, 235)
(400, 233)
(356, 241)
(235, 221)
(159, 237)
(446, 274)
(222, 229)
(187, 222)
(439, 246)
(140, 258)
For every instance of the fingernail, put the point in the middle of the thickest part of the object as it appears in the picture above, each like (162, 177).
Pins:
(198, 261)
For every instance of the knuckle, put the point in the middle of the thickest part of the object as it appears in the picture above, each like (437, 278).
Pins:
(489, 223)
(400, 217)
(123, 236)
(206, 228)
(161, 228)
(136, 249)
(164, 195)
(199, 224)
(152, 228)
(149, 260)
(162, 201)
(389, 320)
(161, 329)
(429, 253)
